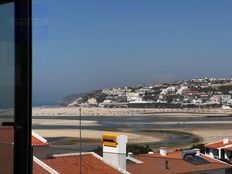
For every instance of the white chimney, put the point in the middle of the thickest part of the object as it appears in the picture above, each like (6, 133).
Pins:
(114, 149)
(130, 154)
(198, 152)
(163, 151)
(225, 140)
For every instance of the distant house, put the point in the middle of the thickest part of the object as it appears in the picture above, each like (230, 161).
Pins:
(225, 99)
(221, 150)
(178, 162)
(216, 99)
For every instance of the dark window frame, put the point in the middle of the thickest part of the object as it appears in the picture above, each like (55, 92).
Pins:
(23, 160)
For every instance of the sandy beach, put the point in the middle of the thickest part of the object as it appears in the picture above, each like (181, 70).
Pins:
(95, 136)
(209, 135)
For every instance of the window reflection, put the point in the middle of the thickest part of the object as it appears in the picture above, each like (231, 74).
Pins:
(6, 87)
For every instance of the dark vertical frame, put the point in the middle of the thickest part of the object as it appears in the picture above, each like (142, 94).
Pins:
(23, 87)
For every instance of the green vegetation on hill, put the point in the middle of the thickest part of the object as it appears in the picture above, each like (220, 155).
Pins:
(225, 89)
(135, 149)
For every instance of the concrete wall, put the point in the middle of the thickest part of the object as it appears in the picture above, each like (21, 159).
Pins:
(213, 153)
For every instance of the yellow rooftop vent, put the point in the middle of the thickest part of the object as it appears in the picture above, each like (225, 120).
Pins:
(110, 140)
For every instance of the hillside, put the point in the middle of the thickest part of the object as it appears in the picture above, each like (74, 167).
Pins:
(203, 92)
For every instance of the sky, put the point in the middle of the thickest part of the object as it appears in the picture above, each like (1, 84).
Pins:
(84, 45)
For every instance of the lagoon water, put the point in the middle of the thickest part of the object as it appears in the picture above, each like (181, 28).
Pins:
(149, 125)
(137, 122)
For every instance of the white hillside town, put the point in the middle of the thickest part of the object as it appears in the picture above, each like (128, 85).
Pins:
(201, 92)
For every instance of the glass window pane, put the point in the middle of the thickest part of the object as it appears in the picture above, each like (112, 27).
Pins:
(7, 61)
(6, 86)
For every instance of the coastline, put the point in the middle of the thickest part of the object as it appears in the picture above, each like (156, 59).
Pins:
(74, 111)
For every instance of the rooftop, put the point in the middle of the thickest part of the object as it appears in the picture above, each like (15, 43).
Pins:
(67, 164)
(7, 137)
(174, 163)
(37, 140)
(218, 145)
(229, 148)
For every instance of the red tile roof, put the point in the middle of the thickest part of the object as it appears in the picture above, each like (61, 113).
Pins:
(7, 137)
(229, 148)
(37, 142)
(71, 164)
(218, 145)
(157, 163)
(37, 169)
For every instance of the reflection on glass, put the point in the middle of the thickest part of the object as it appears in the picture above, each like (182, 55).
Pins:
(6, 86)
(6, 62)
